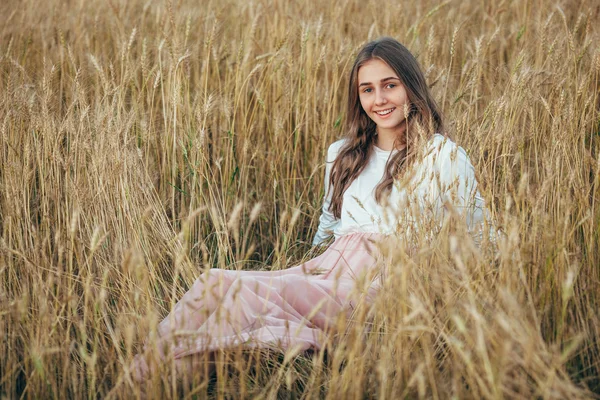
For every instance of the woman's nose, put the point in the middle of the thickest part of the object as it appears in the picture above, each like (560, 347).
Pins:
(380, 97)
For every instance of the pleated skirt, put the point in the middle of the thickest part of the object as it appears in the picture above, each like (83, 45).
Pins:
(290, 308)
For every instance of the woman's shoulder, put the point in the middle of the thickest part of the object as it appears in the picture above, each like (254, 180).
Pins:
(442, 149)
(334, 149)
(439, 143)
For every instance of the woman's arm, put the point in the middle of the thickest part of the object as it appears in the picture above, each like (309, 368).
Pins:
(327, 221)
(457, 186)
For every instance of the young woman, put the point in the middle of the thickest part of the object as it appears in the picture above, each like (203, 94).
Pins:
(393, 162)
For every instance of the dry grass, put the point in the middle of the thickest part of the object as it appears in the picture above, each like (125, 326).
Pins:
(137, 137)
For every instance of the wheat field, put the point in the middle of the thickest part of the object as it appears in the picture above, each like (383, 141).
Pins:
(142, 142)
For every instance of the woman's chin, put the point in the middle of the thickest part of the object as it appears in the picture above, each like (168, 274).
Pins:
(389, 125)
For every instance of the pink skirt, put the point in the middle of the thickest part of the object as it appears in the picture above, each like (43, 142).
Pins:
(290, 308)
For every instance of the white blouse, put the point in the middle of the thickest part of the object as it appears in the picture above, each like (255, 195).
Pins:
(444, 178)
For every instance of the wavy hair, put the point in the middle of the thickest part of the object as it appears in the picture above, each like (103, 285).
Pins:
(423, 120)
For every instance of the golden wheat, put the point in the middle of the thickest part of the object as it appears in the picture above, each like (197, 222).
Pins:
(139, 138)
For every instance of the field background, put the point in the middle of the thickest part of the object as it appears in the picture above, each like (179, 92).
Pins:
(143, 141)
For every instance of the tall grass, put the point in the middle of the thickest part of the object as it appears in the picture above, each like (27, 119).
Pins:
(142, 142)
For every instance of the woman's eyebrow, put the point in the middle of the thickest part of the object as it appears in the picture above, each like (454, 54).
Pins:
(381, 81)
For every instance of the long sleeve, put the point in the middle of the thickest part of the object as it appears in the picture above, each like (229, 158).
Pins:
(457, 186)
(327, 221)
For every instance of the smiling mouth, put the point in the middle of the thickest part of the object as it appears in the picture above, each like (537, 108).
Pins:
(385, 112)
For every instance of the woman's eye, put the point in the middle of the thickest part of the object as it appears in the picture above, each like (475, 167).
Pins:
(367, 90)
(391, 86)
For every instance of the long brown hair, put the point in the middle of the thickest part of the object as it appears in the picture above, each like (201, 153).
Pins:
(424, 119)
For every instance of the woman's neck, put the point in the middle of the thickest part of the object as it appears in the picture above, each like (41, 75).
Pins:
(390, 139)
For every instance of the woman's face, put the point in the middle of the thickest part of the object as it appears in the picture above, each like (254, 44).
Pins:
(382, 95)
